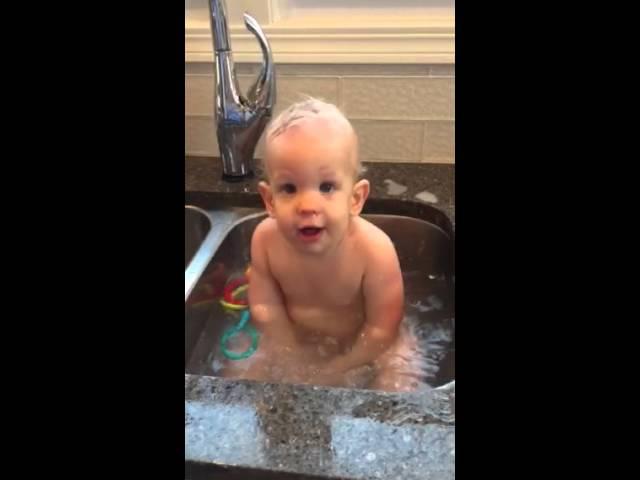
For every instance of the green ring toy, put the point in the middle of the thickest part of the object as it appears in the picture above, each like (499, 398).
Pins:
(235, 330)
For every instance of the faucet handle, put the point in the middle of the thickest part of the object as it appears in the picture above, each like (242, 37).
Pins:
(263, 91)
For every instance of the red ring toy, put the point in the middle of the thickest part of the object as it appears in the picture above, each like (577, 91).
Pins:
(229, 289)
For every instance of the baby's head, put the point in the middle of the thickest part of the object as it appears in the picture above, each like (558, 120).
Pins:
(315, 119)
(312, 166)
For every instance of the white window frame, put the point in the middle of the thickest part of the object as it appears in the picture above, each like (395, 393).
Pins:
(307, 31)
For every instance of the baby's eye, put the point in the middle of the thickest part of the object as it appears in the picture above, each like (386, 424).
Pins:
(288, 188)
(327, 187)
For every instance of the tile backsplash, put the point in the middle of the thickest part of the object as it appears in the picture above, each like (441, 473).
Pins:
(402, 113)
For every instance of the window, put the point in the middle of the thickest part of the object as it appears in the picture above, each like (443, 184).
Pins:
(331, 31)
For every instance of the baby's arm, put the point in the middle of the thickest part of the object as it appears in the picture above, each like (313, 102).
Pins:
(384, 309)
(268, 312)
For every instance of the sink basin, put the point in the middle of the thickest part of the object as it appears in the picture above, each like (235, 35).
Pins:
(203, 234)
(425, 249)
(197, 225)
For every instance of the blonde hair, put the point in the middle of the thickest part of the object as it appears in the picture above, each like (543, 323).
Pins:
(312, 107)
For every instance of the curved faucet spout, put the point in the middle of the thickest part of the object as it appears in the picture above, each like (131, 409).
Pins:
(263, 91)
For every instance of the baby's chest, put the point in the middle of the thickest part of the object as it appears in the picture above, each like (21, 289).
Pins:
(338, 286)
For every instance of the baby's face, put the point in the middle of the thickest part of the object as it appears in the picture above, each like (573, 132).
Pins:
(311, 186)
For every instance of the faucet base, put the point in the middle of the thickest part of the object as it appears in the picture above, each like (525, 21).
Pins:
(237, 178)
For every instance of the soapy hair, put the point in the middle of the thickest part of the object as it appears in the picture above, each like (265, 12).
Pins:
(311, 107)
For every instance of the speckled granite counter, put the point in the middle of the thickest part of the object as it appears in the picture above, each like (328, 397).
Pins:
(239, 429)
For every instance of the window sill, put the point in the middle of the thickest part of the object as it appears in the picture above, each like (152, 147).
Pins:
(398, 39)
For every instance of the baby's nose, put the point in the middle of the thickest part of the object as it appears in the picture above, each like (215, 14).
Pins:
(308, 204)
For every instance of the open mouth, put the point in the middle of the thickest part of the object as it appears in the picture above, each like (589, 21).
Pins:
(310, 233)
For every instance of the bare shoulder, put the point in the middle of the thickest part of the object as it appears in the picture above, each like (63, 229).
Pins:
(262, 236)
(265, 230)
(373, 241)
(382, 275)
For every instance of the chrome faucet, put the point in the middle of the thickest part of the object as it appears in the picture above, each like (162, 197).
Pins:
(240, 120)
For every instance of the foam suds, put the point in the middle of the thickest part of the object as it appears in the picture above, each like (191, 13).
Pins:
(394, 188)
(427, 197)
(423, 359)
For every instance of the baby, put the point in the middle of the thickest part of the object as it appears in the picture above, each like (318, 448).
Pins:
(325, 286)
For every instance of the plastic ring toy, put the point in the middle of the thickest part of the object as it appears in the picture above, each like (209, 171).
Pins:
(231, 303)
(233, 331)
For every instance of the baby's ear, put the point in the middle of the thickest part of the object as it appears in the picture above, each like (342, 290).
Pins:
(359, 196)
(267, 197)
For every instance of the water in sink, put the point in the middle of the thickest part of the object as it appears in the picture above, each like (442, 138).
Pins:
(427, 307)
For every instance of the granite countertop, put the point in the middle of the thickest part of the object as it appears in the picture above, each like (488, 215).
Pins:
(243, 429)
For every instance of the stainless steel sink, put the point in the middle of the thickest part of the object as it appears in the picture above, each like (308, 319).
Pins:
(426, 254)
(196, 226)
(204, 232)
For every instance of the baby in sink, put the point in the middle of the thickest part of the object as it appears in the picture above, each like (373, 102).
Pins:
(325, 286)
